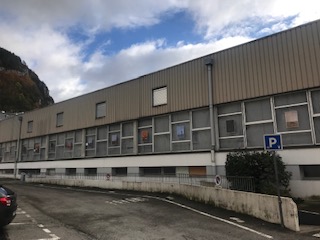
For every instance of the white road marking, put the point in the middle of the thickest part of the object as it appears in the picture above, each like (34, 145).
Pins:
(183, 206)
(21, 212)
(13, 223)
(127, 200)
(214, 217)
(316, 235)
(46, 230)
(237, 219)
(53, 236)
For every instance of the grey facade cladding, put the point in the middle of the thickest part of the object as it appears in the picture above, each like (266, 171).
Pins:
(283, 62)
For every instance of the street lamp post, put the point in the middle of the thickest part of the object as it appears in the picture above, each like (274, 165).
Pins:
(20, 118)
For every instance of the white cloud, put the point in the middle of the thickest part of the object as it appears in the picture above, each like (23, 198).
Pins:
(36, 31)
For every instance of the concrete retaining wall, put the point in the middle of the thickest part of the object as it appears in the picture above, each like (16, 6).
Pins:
(261, 206)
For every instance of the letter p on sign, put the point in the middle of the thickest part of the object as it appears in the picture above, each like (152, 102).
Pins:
(272, 142)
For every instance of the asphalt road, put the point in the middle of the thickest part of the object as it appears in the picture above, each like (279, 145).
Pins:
(53, 212)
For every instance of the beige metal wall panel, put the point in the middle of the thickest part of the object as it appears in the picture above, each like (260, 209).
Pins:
(186, 84)
(9, 129)
(283, 62)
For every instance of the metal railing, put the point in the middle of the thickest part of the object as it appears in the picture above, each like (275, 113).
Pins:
(226, 182)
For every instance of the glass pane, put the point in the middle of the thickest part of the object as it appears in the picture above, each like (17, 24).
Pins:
(180, 116)
(302, 119)
(90, 142)
(102, 133)
(42, 154)
(60, 151)
(67, 154)
(229, 108)
(255, 134)
(181, 146)
(90, 153)
(233, 143)
(181, 131)
(162, 143)
(201, 139)
(161, 124)
(78, 136)
(292, 98)
(145, 149)
(127, 146)
(114, 151)
(101, 110)
(160, 96)
(60, 139)
(315, 95)
(145, 122)
(70, 135)
(102, 148)
(230, 126)
(77, 150)
(69, 145)
(201, 118)
(127, 129)
(114, 139)
(311, 171)
(145, 135)
(296, 139)
(317, 128)
(114, 127)
(258, 110)
(91, 131)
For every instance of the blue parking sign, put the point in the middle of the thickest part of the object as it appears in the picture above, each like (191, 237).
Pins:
(272, 142)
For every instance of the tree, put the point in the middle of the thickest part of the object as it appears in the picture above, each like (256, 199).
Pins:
(260, 166)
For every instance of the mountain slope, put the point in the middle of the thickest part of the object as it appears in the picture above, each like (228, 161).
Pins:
(20, 88)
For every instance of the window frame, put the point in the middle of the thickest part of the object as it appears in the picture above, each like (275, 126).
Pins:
(101, 107)
(59, 119)
(155, 93)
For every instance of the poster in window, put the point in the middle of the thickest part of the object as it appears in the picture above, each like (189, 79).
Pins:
(144, 135)
(36, 148)
(69, 145)
(180, 132)
(90, 142)
(291, 118)
(114, 140)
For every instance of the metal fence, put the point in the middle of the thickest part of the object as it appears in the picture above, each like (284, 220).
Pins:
(226, 182)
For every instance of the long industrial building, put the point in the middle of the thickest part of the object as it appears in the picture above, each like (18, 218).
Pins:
(186, 118)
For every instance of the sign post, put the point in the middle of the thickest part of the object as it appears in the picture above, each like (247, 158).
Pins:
(274, 143)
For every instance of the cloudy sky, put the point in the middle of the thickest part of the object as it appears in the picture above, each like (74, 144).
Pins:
(78, 46)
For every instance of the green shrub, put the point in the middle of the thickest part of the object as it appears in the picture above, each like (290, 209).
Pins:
(260, 166)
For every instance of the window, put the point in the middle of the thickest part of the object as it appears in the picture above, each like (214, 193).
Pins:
(160, 96)
(59, 119)
(180, 131)
(292, 115)
(230, 126)
(101, 110)
(201, 134)
(310, 171)
(259, 121)
(120, 171)
(315, 96)
(145, 135)
(161, 134)
(127, 138)
(90, 142)
(114, 139)
(30, 126)
(102, 141)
